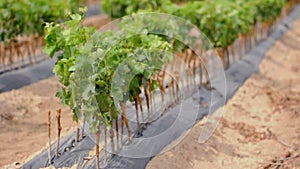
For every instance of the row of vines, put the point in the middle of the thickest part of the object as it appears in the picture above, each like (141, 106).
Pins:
(88, 60)
(22, 25)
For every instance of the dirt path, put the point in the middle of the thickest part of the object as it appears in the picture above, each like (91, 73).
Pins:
(261, 125)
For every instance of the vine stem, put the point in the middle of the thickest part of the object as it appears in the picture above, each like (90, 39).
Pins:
(147, 102)
(77, 134)
(82, 130)
(49, 136)
(97, 147)
(124, 121)
(200, 70)
(186, 61)
(137, 113)
(1, 55)
(117, 131)
(58, 117)
(105, 143)
(141, 108)
(112, 139)
(11, 53)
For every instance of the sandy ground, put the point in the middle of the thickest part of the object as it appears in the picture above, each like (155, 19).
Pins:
(261, 125)
(23, 119)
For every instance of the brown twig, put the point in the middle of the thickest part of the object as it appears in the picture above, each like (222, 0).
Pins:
(141, 108)
(82, 130)
(105, 143)
(117, 131)
(147, 102)
(77, 134)
(58, 117)
(137, 113)
(124, 120)
(97, 147)
(112, 135)
(49, 136)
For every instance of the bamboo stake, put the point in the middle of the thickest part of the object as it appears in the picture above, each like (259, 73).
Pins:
(11, 54)
(117, 132)
(97, 147)
(147, 102)
(142, 111)
(240, 46)
(124, 120)
(186, 60)
(58, 117)
(1, 56)
(112, 134)
(177, 78)
(82, 130)
(105, 143)
(49, 136)
(233, 53)
(151, 98)
(160, 79)
(137, 114)
(222, 55)
(194, 60)
(227, 57)
(77, 134)
(200, 71)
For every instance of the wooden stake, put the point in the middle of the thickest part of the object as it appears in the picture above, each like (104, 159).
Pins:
(82, 130)
(11, 53)
(112, 134)
(105, 143)
(137, 113)
(49, 136)
(147, 102)
(97, 147)
(117, 132)
(142, 111)
(233, 53)
(124, 120)
(77, 134)
(58, 117)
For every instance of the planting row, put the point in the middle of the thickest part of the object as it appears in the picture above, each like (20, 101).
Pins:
(103, 71)
(22, 25)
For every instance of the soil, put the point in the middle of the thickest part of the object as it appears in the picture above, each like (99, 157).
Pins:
(261, 125)
(23, 120)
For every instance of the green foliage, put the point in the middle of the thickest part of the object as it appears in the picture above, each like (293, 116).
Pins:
(101, 70)
(120, 8)
(89, 59)
(27, 17)
(220, 20)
